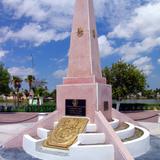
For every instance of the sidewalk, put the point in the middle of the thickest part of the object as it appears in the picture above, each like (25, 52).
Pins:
(154, 152)
(144, 116)
(154, 128)
(9, 130)
(19, 117)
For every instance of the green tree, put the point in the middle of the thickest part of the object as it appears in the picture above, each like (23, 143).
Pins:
(40, 88)
(4, 80)
(53, 94)
(149, 93)
(16, 81)
(125, 79)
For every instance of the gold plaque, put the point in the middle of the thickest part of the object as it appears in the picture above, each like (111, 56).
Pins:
(80, 32)
(66, 132)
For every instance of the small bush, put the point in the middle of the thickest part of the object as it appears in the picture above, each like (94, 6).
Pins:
(138, 107)
(46, 107)
(43, 108)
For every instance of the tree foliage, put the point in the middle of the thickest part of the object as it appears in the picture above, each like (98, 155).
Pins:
(30, 80)
(4, 80)
(16, 81)
(125, 79)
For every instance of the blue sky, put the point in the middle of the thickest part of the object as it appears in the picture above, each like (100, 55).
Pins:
(127, 29)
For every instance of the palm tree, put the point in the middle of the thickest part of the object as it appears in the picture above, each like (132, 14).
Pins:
(16, 81)
(30, 80)
(40, 87)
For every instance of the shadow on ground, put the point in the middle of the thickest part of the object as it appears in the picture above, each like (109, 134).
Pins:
(14, 154)
(19, 154)
(154, 153)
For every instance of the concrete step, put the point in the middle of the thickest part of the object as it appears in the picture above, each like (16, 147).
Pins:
(92, 144)
(91, 138)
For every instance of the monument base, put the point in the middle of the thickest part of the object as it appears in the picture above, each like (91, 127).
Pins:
(100, 140)
(84, 100)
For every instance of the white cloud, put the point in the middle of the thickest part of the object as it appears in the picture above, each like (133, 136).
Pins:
(60, 73)
(3, 54)
(51, 20)
(115, 11)
(42, 10)
(4, 31)
(39, 10)
(104, 46)
(34, 34)
(141, 32)
(145, 22)
(21, 71)
(159, 60)
(144, 64)
(48, 20)
(131, 51)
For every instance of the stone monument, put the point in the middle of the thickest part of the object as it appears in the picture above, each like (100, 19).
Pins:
(84, 126)
(84, 90)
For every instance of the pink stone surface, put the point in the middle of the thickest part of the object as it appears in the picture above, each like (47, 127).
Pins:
(84, 78)
(16, 141)
(77, 91)
(105, 95)
(78, 80)
(95, 95)
(84, 52)
(121, 152)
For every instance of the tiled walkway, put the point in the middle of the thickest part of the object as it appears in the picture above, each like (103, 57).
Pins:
(144, 116)
(10, 130)
(7, 118)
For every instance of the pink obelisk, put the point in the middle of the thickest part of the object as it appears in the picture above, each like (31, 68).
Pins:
(84, 90)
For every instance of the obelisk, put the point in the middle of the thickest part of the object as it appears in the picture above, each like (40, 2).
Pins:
(84, 62)
(84, 90)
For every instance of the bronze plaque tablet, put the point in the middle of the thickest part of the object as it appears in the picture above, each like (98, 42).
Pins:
(75, 107)
(66, 132)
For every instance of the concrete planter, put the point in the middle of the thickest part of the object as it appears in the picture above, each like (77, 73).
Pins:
(140, 145)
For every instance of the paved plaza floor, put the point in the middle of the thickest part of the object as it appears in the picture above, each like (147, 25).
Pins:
(14, 154)
(144, 116)
(154, 153)
(20, 117)
(10, 130)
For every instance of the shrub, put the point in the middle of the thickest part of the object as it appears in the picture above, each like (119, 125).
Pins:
(42, 108)
(138, 107)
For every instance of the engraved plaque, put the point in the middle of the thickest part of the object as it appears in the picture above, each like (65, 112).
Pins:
(75, 107)
(66, 132)
(80, 32)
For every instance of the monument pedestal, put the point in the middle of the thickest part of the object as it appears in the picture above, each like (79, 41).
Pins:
(84, 100)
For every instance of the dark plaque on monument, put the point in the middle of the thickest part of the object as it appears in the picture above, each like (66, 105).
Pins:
(106, 106)
(75, 107)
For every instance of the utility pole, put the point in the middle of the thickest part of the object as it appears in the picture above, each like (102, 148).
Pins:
(32, 59)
